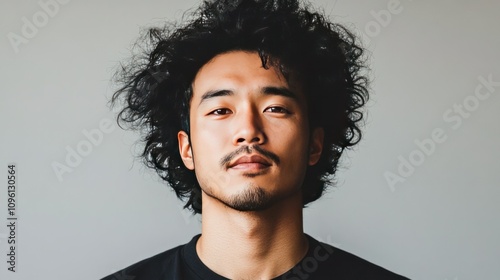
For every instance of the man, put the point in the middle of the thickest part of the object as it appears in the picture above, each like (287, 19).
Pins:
(246, 111)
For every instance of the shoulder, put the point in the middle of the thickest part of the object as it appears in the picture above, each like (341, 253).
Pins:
(155, 267)
(324, 261)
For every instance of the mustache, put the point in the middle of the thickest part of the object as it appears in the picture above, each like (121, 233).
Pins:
(248, 150)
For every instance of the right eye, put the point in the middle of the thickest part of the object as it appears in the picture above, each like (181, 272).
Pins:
(221, 111)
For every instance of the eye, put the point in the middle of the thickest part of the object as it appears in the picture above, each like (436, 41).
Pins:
(221, 111)
(277, 109)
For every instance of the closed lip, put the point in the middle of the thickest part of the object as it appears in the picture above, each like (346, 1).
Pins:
(250, 159)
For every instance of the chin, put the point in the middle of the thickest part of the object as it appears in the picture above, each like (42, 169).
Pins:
(252, 199)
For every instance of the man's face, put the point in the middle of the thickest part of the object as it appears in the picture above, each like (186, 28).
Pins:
(250, 142)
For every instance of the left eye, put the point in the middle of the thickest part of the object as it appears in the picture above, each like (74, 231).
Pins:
(276, 109)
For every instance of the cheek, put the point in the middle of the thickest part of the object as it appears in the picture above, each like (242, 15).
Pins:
(293, 136)
(208, 145)
(207, 152)
(292, 144)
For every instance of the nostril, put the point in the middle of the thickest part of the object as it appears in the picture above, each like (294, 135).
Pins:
(255, 139)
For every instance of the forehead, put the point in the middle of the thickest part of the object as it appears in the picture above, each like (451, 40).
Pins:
(236, 69)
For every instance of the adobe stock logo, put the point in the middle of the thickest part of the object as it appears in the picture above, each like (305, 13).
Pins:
(122, 275)
(74, 157)
(308, 266)
(455, 117)
(30, 27)
(382, 19)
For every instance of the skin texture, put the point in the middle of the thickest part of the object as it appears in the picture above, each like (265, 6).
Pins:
(252, 211)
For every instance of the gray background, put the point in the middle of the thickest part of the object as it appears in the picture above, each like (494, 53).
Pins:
(440, 223)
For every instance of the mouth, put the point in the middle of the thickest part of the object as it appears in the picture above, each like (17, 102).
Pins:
(250, 166)
(250, 163)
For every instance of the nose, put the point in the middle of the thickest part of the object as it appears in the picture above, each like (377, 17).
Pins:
(248, 128)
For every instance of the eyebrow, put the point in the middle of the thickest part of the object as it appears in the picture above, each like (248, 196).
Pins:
(280, 91)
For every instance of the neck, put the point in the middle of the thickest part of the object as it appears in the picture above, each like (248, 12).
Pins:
(259, 245)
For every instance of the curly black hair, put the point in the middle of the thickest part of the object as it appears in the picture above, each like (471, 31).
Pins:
(155, 86)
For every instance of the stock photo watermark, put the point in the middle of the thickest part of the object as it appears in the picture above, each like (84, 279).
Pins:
(320, 253)
(382, 19)
(32, 25)
(12, 223)
(122, 275)
(74, 156)
(454, 116)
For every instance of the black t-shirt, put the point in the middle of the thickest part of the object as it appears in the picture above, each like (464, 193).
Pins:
(322, 262)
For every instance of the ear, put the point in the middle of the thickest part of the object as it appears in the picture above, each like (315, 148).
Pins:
(316, 145)
(185, 149)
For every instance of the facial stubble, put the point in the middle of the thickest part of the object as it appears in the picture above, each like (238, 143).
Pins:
(253, 197)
